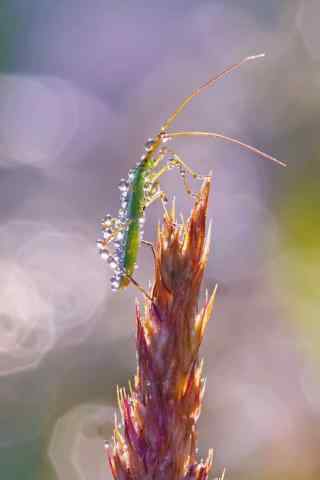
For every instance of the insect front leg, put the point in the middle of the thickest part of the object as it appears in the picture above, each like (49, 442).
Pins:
(140, 287)
(176, 161)
(150, 245)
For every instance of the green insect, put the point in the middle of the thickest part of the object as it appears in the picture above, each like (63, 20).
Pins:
(142, 188)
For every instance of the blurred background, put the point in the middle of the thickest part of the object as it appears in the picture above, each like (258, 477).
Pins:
(82, 86)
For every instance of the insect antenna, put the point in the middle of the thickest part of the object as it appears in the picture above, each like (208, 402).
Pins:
(227, 139)
(203, 87)
(168, 135)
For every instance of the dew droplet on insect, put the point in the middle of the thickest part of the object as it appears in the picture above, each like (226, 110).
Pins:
(149, 144)
(107, 221)
(107, 233)
(117, 223)
(112, 261)
(115, 283)
(147, 187)
(100, 244)
(117, 244)
(123, 185)
(122, 214)
(120, 235)
(165, 138)
(104, 255)
(131, 175)
(124, 195)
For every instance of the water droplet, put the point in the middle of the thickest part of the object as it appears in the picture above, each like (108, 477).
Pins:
(107, 233)
(124, 196)
(100, 244)
(115, 283)
(107, 221)
(104, 255)
(120, 235)
(122, 213)
(117, 244)
(165, 138)
(112, 261)
(147, 187)
(149, 144)
(131, 174)
(123, 185)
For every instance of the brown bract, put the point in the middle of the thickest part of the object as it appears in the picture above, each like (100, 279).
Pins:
(156, 438)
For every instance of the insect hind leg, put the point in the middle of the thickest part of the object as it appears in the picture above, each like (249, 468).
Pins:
(150, 245)
(140, 288)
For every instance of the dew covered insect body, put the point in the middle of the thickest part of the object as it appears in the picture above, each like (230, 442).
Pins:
(125, 232)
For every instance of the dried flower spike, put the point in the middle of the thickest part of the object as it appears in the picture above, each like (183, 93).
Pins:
(156, 438)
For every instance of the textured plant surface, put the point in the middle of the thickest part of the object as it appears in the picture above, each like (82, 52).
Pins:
(157, 436)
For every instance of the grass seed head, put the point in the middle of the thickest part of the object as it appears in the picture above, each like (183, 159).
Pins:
(159, 415)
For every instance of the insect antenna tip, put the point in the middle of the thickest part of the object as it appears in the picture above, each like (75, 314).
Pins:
(254, 57)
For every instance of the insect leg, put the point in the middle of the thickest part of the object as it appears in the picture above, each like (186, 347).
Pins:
(159, 194)
(149, 244)
(153, 177)
(162, 153)
(142, 290)
(203, 87)
(176, 161)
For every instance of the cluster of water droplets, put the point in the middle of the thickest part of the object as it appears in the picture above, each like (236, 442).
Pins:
(114, 231)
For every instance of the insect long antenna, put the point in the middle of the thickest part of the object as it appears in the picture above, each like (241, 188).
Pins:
(203, 87)
(220, 136)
